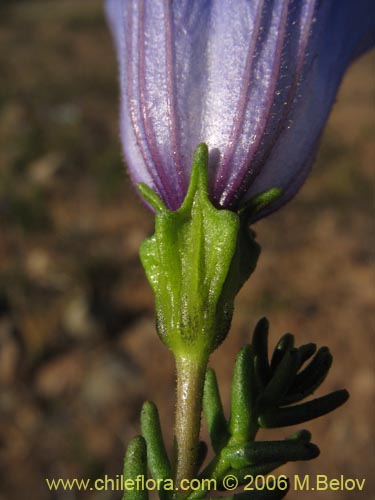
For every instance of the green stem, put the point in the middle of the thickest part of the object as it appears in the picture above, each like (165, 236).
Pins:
(191, 372)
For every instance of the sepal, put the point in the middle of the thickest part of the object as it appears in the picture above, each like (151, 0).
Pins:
(196, 262)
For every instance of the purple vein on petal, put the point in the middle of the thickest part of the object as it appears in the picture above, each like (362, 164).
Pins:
(171, 97)
(306, 32)
(300, 58)
(133, 101)
(150, 135)
(292, 92)
(241, 105)
(157, 160)
(137, 99)
(244, 173)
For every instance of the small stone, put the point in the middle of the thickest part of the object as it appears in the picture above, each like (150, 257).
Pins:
(38, 263)
(109, 380)
(44, 169)
(60, 375)
(78, 320)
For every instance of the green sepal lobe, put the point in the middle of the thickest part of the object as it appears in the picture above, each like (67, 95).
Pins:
(196, 261)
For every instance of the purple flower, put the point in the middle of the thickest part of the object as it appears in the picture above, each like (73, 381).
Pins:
(254, 79)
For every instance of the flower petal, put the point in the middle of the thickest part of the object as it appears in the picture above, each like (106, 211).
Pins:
(254, 79)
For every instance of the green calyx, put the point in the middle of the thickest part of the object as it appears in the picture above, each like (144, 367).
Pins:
(196, 262)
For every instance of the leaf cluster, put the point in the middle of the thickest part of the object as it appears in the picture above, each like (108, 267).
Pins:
(267, 392)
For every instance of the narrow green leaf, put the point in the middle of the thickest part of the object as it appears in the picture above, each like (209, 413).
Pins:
(306, 351)
(297, 414)
(285, 343)
(309, 379)
(135, 465)
(281, 381)
(321, 363)
(197, 495)
(262, 452)
(157, 457)
(253, 470)
(241, 424)
(213, 412)
(303, 436)
(260, 348)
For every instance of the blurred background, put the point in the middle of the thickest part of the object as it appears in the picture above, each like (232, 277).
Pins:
(78, 349)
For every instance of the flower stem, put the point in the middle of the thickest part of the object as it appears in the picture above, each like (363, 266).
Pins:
(191, 372)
